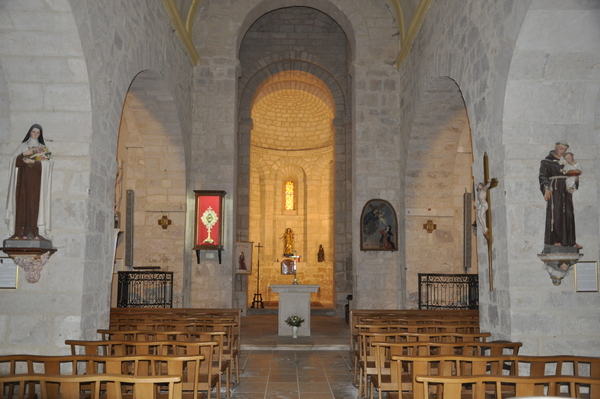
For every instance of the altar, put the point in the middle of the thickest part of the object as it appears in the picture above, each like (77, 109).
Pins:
(294, 300)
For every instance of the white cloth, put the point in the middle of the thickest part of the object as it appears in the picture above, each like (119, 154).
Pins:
(43, 222)
(571, 180)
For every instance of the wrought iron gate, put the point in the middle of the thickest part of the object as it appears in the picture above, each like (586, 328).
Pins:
(145, 290)
(448, 291)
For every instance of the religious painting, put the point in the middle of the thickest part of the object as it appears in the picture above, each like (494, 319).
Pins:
(209, 220)
(378, 227)
(288, 266)
(243, 257)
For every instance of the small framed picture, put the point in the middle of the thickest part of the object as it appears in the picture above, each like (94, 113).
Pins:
(243, 257)
(9, 273)
(378, 227)
(288, 266)
(586, 276)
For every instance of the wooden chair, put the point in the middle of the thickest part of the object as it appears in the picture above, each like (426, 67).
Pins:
(70, 386)
(211, 368)
(467, 387)
(511, 365)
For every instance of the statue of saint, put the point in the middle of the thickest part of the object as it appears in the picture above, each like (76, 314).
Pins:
(28, 202)
(321, 254)
(242, 262)
(288, 242)
(560, 217)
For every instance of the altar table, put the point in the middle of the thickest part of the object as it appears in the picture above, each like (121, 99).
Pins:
(294, 300)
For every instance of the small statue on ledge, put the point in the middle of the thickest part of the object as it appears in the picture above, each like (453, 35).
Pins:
(321, 254)
(288, 242)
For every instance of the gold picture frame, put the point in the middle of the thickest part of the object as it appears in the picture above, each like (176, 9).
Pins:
(586, 276)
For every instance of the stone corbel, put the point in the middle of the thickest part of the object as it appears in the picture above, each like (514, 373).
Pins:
(558, 264)
(32, 260)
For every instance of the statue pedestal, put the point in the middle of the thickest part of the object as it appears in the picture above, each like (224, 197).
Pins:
(294, 300)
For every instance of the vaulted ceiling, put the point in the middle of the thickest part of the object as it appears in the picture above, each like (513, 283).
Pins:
(409, 16)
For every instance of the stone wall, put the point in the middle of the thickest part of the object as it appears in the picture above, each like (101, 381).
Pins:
(551, 95)
(516, 121)
(68, 67)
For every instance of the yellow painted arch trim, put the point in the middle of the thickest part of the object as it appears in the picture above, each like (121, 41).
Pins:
(184, 31)
(413, 29)
(399, 19)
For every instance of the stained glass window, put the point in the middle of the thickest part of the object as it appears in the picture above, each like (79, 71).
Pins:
(289, 195)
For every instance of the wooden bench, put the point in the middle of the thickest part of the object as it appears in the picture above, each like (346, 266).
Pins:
(71, 386)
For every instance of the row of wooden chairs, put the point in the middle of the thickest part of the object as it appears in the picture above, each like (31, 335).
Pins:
(402, 375)
(230, 342)
(364, 357)
(182, 319)
(497, 386)
(210, 348)
(96, 386)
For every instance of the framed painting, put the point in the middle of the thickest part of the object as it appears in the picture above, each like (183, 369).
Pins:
(378, 226)
(288, 266)
(243, 257)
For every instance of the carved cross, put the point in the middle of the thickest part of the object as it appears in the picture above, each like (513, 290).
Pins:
(488, 216)
(430, 226)
(164, 222)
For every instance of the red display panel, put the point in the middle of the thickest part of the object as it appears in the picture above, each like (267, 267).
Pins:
(209, 220)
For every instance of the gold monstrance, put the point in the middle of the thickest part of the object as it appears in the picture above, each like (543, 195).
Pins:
(209, 218)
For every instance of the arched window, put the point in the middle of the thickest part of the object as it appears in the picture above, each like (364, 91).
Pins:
(290, 193)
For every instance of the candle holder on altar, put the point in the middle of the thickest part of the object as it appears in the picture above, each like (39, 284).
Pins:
(296, 259)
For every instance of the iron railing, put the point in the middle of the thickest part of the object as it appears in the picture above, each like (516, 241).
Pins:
(448, 291)
(145, 290)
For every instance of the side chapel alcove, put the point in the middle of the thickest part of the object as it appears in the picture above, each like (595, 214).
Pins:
(438, 178)
(151, 165)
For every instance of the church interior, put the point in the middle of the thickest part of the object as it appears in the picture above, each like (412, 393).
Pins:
(372, 142)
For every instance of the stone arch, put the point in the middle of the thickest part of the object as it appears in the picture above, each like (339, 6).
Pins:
(438, 173)
(151, 153)
(333, 10)
(292, 61)
(326, 81)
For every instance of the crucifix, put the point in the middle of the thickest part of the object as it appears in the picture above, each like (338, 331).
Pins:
(484, 212)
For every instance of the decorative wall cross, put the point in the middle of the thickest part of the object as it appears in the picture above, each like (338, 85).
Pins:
(164, 222)
(491, 183)
(430, 226)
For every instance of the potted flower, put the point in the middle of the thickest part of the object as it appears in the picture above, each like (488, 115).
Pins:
(295, 322)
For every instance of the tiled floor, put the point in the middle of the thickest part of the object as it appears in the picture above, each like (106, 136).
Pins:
(315, 367)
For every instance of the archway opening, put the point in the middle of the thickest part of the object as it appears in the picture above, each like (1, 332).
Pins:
(151, 166)
(284, 70)
(438, 176)
(292, 142)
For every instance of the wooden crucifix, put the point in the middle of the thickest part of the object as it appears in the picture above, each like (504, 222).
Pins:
(484, 212)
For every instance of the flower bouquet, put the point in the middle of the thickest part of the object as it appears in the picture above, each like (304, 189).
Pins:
(294, 321)
(40, 153)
